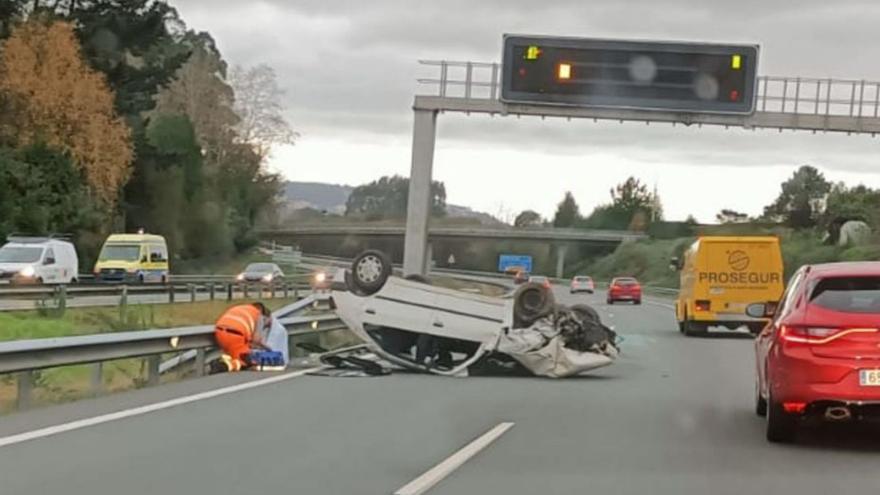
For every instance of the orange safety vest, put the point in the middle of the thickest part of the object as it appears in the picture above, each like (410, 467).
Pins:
(242, 319)
(234, 333)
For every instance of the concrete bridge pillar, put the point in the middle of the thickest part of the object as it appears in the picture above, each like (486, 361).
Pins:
(561, 249)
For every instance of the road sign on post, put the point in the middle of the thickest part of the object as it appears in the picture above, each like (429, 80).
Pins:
(514, 262)
(643, 75)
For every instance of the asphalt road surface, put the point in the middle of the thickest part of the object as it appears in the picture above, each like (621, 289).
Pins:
(672, 416)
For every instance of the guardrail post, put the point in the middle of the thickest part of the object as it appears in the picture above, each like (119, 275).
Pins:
(200, 362)
(153, 370)
(246, 291)
(192, 292)
(123, 296)
(296, 292)
(286, 289)
(272, 291)
(97, 382)
(211, 289)
(171, 293)
(228, 292)
(25, 388)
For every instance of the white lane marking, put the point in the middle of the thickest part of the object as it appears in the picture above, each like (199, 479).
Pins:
(137, 411)
(436, 474)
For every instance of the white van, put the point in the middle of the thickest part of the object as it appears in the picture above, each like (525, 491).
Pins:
(38, 260)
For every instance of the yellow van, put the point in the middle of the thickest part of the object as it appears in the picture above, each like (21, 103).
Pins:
(720, 276)
(140, 258)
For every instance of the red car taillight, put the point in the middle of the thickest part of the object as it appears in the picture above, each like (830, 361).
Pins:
(817, 335)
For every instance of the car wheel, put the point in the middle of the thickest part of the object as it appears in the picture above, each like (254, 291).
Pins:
(781, 427)
(370, 270)
(637, 302)
(415, 277)
(586, 312)
(609, 301)
(760, 402)
(531, 301)
(694, 329)
(141, 279)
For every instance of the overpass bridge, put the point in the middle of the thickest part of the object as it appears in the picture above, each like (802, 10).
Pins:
(560, 238)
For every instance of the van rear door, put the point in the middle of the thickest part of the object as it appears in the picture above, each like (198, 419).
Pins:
(734, 273)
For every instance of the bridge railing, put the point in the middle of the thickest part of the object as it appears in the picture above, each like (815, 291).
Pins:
(780, 94)
(25, 357)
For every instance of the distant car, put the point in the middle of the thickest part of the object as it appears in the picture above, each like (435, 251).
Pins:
(261, 272)
(625, 289)
(818, 356)
(520, 277)
(322, 279)
(582, 283)
(540, 279)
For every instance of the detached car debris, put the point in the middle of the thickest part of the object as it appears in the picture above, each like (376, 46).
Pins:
(409, 323)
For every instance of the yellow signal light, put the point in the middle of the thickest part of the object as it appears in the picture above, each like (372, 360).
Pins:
(533, 52)
(736, 62)
(563, 71)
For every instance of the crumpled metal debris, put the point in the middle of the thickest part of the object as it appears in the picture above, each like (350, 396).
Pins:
(569, 341)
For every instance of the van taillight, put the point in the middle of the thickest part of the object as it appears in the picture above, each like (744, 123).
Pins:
(703, 305)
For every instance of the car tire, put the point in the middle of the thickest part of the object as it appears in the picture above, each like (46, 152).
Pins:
(755, 328)
(415, 277)
(694, 329)
(637, 302)
(609, 302)
(781, 427)
(586, 312)
(531, 302)
(760, 402)
(370, 270)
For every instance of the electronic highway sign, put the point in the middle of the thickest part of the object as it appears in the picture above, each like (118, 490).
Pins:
(643, 75)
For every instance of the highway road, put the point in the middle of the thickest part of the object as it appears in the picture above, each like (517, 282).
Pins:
(671, 416)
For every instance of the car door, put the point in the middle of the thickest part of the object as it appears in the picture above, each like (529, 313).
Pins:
(764, 340)
(50, 271)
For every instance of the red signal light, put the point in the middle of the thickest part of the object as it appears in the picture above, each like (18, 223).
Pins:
(734, 95)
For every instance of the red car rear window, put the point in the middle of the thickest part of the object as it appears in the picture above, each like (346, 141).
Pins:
(848, 294)
(626, 282)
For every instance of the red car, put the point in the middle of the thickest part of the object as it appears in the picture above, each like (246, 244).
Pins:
(819, 357)
(624, 289)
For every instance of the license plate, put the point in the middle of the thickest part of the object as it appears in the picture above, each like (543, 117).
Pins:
(869, 378)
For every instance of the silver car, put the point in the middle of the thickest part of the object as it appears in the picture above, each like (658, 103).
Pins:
(419, 326)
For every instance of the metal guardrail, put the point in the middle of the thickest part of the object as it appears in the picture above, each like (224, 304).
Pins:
(24, 357)
(59, 296)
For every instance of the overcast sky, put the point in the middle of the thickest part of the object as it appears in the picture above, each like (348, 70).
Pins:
(350, 67)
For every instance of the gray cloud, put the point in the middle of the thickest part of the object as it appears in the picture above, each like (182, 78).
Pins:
(350, 65)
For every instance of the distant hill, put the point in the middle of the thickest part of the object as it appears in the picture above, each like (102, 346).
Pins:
(332, 197)
(317, 195)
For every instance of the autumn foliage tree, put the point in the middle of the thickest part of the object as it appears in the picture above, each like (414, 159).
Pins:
(55, 98)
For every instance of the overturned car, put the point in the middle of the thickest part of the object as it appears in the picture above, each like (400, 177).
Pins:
(412, 324)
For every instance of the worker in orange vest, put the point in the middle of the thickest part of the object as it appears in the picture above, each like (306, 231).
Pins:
(238, 330)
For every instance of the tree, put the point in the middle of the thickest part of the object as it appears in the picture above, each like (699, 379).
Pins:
(850, 203)
(567, 212)
(387, 198)
(57, 99)
(200, 91)
(43, 192)
(731, 216)
(691, 220)
(632, 196)
(527, 218)
(799, 204)
(258, 103)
